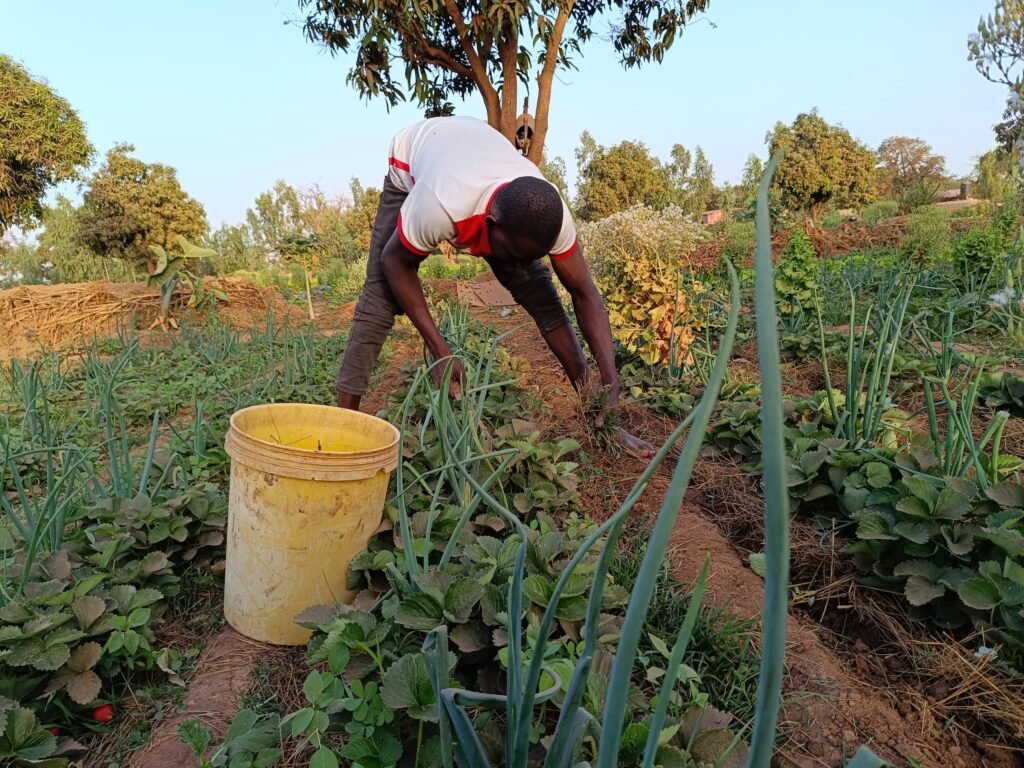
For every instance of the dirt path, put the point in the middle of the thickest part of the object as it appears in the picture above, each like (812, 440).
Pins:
(221, 680)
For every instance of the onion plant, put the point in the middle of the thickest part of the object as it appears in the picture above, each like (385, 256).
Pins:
(868, 369)
(472, 469)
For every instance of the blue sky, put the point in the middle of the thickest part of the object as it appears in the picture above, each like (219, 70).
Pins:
(234, 98)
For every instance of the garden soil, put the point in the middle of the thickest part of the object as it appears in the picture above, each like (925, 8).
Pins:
(833, 703)
(222, 679)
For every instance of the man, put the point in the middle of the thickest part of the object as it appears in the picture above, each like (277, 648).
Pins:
(458, 179)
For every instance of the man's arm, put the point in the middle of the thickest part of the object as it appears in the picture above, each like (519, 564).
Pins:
(573, 273)
(401, 270)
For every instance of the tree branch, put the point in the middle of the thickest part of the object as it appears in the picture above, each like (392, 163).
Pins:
(476, 64)
(545, 79)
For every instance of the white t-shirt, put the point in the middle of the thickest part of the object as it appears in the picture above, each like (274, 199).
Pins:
(452, 167)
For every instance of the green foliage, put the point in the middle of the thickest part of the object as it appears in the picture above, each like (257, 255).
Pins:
(42, 143)
(977, 251)
(1003, 391)
(796, 276)
(59, 244)
(876, 212)
(831, 219)
(998, 174)
(130, 205)
(251, 741)
(433, 55)
(613, 179)
(170, 269)
(928, 236)
(823, 164)
(919, 194)
(997, 50)
(739, 242)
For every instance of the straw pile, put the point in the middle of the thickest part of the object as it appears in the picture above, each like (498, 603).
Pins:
(59, 315)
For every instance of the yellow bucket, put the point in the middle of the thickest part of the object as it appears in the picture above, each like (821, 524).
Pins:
(308, 485)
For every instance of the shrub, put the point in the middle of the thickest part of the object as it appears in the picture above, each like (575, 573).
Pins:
(918, 195)
(639, 257)
(739, 242)
(796, 276)
(876, 212)
(928, 235)
(344, 280)
(977, 250)
(832, 219)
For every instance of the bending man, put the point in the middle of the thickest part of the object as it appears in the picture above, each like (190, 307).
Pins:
(458, 179)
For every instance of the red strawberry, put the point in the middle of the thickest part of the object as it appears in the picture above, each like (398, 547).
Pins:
(103, 713)
(54, 731)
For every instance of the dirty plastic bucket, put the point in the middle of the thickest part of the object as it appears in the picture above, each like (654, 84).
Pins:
(308, 485)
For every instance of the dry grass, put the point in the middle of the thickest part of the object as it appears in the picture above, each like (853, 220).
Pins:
(56, 315)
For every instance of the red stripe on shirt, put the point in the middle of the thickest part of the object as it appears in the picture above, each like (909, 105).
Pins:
(402, 166)
(565, 254)
(405, 241)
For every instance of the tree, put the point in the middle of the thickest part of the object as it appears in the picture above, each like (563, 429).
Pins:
(822, 164)
(553, 169)
(42, 143)
(997, 50)
(434, 52)
(997, 174)
(276, 215)
(130, 205)
(619, 177)
(700, 186)
(753, 169)
(906, 161)
(235, 248)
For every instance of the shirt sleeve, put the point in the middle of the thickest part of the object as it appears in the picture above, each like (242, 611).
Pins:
(422, 223)
(565, 244)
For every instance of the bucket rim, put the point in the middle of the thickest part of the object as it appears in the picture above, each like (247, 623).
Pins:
(248, 437)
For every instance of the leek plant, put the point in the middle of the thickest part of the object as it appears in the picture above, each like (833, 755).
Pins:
(866, 398)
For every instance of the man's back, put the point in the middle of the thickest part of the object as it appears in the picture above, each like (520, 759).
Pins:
(452, 167)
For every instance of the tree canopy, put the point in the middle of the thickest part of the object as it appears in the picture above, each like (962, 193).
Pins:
(130, 205)
(612, 179)
(42, 143)
(906, 161)
(433, 52)
(997, 50)
(822, 164)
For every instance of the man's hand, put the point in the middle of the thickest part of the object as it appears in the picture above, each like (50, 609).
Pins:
(458, 374)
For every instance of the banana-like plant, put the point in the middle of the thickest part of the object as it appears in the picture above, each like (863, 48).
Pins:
(171, 268)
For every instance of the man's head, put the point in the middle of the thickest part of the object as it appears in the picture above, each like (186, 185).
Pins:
(525, 219)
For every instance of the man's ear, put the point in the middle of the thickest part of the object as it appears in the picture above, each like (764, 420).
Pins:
(492, 220)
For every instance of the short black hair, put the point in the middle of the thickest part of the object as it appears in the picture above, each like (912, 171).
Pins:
(530, 207)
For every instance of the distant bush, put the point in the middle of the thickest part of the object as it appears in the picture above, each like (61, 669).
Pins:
(832, 219)
(977, 250)
(796, 275)
(436, 266)
(739, 243)
(876, 212)
(919, 194)
(928, 236)
(343, 280)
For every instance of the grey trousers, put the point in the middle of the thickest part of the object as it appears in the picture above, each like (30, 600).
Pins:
(530, 285)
